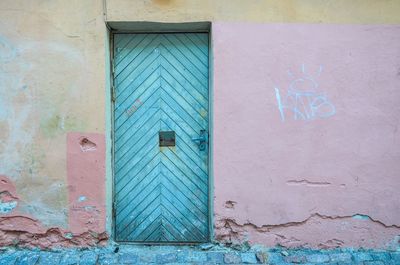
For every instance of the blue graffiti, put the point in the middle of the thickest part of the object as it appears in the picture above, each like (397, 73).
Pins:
(304, 100)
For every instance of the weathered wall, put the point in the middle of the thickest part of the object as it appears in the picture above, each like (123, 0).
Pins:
(327, 180)
(51, 83)
(322, 171)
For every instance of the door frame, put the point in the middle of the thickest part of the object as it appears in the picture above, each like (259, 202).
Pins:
(152, 27)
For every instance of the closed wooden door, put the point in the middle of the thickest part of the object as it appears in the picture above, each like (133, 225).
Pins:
(161, 137)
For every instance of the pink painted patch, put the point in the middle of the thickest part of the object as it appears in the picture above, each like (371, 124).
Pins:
(306, 124)
(86, 182)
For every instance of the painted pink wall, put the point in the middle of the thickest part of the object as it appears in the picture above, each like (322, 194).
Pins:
(86, 182)
(318, 182)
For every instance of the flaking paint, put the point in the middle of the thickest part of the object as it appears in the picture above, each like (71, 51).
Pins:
(292, 179)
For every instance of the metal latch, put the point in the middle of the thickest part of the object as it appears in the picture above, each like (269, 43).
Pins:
(202, 140)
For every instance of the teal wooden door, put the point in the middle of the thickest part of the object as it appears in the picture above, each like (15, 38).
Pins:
(161, 89)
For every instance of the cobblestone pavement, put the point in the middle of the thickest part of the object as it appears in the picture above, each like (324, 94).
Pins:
(205, 254)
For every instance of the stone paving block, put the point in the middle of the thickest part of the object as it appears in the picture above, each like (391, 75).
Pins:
(197, 256)
(128, 258)
(232, 258)
(395, 256)
(284, 263)
(391, 262)
(166, 258)
(107, 259)
(383, 256)
(249, 258)
(215, 257)
(325, 263)
(341, 257)
(275, 258)
(374, 262)
(181, 256)
(317, 258)
(70, 258)
(88, 258)
(106, 256)
(296, 258)
(8, 258)
(49, 258)
(361, 256)
(206, 246)
(147, 257)
(28, 258)
(262, 256)
(191, 256)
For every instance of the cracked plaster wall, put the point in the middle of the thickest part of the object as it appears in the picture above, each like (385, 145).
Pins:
(317, 183)
(52, 58)
(307, 181)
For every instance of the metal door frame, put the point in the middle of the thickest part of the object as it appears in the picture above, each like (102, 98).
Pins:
(162, 28)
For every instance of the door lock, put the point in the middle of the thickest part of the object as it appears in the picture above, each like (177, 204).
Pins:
(202, 140)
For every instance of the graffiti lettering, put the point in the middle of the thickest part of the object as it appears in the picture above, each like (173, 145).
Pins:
(304, 100)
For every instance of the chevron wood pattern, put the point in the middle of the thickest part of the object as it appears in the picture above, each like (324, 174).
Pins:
(161, 82)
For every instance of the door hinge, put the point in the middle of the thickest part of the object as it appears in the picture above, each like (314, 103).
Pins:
(112, 66)
(113, 210)
(113, 94)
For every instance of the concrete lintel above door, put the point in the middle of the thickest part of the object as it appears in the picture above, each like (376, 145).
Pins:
(146, 26)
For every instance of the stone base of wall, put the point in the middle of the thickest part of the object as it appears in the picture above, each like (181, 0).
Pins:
(203, 254)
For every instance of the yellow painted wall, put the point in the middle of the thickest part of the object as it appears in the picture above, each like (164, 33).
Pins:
(52, 80)
(303, 11)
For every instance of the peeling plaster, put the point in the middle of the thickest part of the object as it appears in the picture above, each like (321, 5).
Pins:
(7, 207)
(20, 229)
(325, 184)
(86, 181)
(331, 231)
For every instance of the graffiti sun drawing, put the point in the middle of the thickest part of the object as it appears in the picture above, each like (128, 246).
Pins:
(304, 100)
